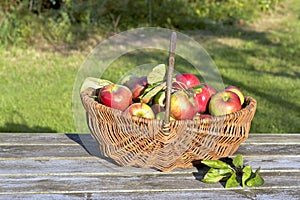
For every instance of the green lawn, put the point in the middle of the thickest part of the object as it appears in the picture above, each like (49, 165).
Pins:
(262, 59)
(36, 91)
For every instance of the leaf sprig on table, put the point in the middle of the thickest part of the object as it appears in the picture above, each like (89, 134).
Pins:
(234, 174)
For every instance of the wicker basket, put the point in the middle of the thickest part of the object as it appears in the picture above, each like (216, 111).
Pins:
(165, 145)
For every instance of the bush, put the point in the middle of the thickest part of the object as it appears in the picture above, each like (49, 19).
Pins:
(66, 20)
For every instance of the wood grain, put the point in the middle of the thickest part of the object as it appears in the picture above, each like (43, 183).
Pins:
(70, 166)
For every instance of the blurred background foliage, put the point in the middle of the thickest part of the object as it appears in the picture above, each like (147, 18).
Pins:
(23, 22)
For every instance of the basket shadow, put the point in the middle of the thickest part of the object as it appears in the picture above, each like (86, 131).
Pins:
(201, 170)
(87, 142)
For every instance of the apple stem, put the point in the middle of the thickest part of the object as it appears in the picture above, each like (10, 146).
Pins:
(169, 76)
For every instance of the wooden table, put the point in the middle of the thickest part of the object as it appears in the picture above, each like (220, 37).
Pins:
(70, 166)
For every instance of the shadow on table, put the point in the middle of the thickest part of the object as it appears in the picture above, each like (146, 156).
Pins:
(87, 142)
(203, 169)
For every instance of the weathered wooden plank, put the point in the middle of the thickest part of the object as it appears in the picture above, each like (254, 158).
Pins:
(270, 149)
(54, 138)
(134, 183)
(267, 156)
(262, 139)
(51, 158)
(44, 138)
(232, 194)
(21, 151)
(56, 166)
(96, 165)
(282, 143)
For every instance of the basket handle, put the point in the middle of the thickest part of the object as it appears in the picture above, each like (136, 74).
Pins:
(169, 76)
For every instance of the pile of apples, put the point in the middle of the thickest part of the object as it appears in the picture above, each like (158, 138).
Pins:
(190, 99)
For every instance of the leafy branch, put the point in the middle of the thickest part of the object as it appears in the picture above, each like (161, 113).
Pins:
(233, 175)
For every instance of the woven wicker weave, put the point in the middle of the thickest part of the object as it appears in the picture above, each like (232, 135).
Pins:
(165, 145)
(134, 141)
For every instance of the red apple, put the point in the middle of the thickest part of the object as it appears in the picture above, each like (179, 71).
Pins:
(183, 105)
(190, 80)
(224, 102)
(137, 86)
(202, 97)
(210, 88)
(115, 96)
(141, 110)
(237, 91)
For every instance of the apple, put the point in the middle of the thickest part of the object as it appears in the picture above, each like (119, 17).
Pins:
(210, 88)
(140, 110)
(237, 91)
(137, 86)
(182, 105)
(190, 80)
(224, 102)
(115, 96)
(202, 97)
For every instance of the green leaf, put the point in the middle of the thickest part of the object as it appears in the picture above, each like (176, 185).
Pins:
(232, 182)
(238, 161)
(216, 164)
(151, 92)
(160, 98)
(157, 74)
(221, 171)
(247, 172)
(224, 171)
(198, 89)
(256, 181)
(91, 82)
(211, 177)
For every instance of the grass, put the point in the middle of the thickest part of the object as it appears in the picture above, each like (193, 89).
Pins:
(36, 89)
(261, 58)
